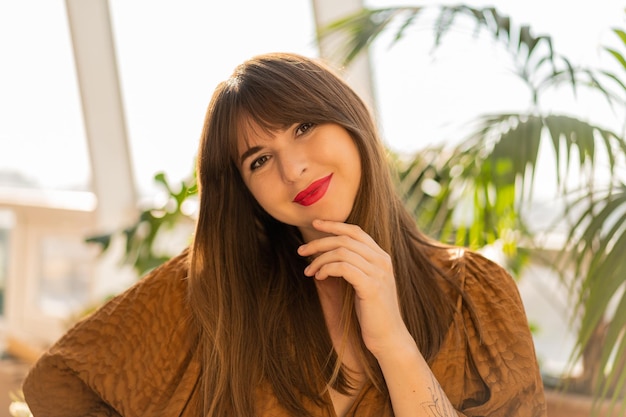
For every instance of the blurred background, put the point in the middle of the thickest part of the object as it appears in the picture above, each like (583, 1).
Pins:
(98, 97)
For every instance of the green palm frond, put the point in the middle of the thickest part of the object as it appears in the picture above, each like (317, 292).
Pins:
(535, 61)
(616, 54)
(617, 79)
(597, 244)
(471, 194)
(517, 138)
(363, 27)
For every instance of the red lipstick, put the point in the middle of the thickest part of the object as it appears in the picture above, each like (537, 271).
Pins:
(313, 192)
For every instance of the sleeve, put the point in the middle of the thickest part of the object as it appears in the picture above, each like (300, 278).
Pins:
(135, 356)
(53, 389)
(488, 365)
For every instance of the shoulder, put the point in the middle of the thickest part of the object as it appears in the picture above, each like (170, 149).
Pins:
(152, 311)
(487, 364)
(479, 278)
(142, 342)
(164, 288)
(168, 282)
(158, 301)
(489, 309)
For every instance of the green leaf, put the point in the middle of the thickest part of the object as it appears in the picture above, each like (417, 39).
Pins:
(103, 240)
(621, 34)
(618, 56)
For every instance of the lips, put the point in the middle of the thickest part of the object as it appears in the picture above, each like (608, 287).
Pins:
(313, 192)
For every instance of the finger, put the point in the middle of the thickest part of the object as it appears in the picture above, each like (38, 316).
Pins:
(365, 287)
(373, 254)
(353, 275)
(339, 228)
(340, 254)
(330, 243)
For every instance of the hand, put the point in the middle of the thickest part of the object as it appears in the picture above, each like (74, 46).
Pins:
(350, 253)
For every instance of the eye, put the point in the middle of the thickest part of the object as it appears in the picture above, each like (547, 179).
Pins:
(303, 128)
(258, 163)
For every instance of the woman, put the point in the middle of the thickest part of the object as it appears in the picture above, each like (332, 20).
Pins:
(308, 290)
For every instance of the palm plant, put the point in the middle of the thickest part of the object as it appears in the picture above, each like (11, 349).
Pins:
(490, 174)
(596, 245)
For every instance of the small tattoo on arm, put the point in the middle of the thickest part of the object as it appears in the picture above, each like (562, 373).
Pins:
(438, 406)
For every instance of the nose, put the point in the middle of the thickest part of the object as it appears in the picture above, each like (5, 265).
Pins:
(292, 166)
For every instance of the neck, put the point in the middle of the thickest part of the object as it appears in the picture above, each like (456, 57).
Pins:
(310, 233)
(331, 294)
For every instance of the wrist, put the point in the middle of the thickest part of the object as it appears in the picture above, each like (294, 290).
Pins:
(397, 349)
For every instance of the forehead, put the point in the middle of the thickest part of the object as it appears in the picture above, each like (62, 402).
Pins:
(253, 133)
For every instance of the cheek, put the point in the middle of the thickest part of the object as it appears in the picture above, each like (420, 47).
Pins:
(263, 194)
(256, 192)
(351, 159)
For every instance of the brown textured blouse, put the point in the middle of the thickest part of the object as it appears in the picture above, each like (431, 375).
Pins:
(138, 356)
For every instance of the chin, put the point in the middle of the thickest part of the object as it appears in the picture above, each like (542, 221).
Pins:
(337, 217)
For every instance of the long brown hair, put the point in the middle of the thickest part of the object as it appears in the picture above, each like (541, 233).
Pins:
(260, 318)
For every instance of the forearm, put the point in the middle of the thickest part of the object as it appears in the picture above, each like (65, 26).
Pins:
(413, 389)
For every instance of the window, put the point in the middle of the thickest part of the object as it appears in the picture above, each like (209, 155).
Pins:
(42, 140)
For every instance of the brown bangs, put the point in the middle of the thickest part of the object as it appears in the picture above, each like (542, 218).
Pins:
(274, 94)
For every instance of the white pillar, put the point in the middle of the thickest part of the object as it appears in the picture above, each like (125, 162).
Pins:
(103, 111)
(105, 128)
(358, 74)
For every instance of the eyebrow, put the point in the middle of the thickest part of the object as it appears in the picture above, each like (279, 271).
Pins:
(248, 153)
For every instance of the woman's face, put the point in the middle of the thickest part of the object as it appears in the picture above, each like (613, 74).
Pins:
(302, 173)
